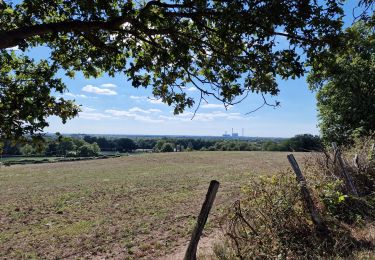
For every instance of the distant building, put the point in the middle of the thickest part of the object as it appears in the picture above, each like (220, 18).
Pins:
(231, 135)
(234, 134)
(226, 134)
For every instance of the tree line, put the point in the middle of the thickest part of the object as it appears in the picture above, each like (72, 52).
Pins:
(87, 146)
(61, 146)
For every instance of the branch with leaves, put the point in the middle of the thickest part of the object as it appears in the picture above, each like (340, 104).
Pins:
(226, 49)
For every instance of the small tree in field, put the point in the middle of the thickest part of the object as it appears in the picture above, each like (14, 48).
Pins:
(95, 148)
(27, 149)
(87, 150)
(126, 145)
(167, 148)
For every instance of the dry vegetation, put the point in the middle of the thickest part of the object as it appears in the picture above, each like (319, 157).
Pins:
(129, 207)
(271, 220)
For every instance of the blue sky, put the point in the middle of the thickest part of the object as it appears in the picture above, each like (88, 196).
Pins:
(112, 106)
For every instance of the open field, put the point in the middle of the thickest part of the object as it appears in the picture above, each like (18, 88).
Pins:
(127, 207)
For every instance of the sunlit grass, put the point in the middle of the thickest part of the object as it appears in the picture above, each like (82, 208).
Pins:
(132, 206)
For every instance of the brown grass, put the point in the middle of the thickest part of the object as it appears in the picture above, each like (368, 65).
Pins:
(129, 207)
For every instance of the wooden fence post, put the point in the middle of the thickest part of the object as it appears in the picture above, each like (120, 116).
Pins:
(346, 176)
(355, 161)
(306, 196)
(191, 251)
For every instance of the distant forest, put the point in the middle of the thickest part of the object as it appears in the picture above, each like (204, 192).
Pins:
(87, 146)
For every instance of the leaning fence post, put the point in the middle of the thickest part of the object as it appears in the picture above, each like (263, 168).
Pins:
(191, 251)
(347, 178)
(317, 220)
(355, 161)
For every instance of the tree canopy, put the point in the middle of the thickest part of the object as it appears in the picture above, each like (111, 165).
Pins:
(345, 85)
(226, 49)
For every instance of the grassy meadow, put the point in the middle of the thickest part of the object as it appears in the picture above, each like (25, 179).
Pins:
(131, 207)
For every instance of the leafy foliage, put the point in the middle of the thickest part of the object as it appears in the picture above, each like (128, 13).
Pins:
(227, 49)
(303, 143)
(298, 143)
(25, 96)
(126, 145)
(88, 150)
(167, 148)
(61, 146)
(345, 87)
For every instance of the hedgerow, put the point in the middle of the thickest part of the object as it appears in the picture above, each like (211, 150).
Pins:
(271, 220)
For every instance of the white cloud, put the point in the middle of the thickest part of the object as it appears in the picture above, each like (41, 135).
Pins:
(87, 109)
(108, 85)
(212, 106)
(154, 110)
(137, 97)
(93, 116)
(148, 99)
(130, 114)
(75, 95)
(155, 101)
(192, 89)
(217, 115)
(118, 113)
(148, 111)
(137, 109)
(99, 91)
(203, 117)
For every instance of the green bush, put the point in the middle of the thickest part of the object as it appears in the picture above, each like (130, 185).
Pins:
(167, 148)
(71, 154)
(87, 150)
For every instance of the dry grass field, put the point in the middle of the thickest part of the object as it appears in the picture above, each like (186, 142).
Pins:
(133, 207)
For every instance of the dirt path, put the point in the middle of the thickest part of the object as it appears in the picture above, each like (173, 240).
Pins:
(205, 248)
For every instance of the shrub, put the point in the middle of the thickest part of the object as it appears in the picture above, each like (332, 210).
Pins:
(166, 148)
(211, 148)
(71, 154)
(271, 221)
(325, 174)
(268, 205)
(88, 150)
(27, 150)
(158, 146)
